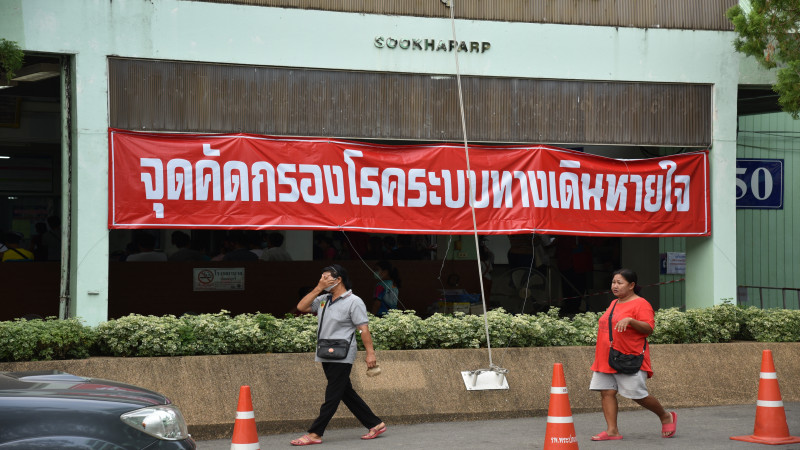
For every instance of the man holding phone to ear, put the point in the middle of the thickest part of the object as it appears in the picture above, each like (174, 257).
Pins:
(340, 313)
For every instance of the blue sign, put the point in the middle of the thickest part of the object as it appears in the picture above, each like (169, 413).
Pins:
(759, 183)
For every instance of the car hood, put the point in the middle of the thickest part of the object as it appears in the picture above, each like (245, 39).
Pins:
(56, 384)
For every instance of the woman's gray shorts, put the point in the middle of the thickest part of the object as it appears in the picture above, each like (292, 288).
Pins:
(629, 386)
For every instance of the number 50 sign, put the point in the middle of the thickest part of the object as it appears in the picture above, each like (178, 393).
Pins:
(759, 183)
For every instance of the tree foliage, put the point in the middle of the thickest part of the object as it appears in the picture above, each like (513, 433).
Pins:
(11, 57)
(770, 33)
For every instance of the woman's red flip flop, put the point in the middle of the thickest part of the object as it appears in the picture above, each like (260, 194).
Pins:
(668, 429)
(605, 437)
(374, 432)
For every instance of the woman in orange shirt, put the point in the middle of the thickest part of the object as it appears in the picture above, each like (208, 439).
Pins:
(632, 321)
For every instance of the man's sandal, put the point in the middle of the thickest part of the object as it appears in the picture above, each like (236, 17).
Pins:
(306, 440)
(375, 432)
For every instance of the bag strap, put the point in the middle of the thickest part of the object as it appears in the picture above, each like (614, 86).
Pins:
(610, 315)
(20, 254)
(611, 335)
(322, 316)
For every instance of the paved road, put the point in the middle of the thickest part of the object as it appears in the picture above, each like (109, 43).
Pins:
(701, 428)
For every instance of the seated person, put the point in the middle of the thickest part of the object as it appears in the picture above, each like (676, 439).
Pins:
(146, 244)
(275, 250)
(14, 252)
(239, 245)
(184, 252)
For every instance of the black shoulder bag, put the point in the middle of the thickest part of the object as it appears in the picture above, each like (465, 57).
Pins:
(622, 363)
(332, 348)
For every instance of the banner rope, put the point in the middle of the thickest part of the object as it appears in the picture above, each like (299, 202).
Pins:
(528, 280)
(375, 274)
(444, 261)
(471, 184)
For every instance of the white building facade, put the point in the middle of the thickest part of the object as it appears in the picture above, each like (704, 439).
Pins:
(89, 35)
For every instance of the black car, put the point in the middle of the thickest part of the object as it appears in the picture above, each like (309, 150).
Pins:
(56, 410)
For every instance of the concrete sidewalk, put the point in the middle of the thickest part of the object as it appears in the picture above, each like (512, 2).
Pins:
(701, 428)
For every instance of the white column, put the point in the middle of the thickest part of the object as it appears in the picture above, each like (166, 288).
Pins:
(711, 262)
(89, 214)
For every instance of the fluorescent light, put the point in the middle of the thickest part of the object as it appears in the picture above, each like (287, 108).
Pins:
(38, 72)
(6, 84)
(5, 157)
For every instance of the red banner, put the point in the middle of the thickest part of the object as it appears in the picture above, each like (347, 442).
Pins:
(262, 182)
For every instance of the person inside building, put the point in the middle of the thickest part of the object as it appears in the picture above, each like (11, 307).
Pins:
(387, 290)
(15, 253)
(37, 242)
(404, 248)
(340, 314)
(526, 250)
(239, 245)
(520, 250)
(255, 242)
(486, 256)
(182, 241)
(146, 249)
(325, 249)
(575, 263)
(275, 250)
(389, 245)
(631, 320)
(52, 238)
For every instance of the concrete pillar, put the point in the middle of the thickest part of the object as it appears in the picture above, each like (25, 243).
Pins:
(89, 199)
(711, 261)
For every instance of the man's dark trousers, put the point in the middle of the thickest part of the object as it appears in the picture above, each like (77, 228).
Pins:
(340, 389)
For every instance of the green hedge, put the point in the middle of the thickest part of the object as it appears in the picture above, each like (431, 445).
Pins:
(33, 340)
(215, 334)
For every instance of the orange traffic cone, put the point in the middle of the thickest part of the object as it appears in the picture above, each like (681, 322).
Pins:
(245, 436)
(560, 431)
(771, 427)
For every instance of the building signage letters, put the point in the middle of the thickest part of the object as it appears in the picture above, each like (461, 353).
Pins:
(432, 45)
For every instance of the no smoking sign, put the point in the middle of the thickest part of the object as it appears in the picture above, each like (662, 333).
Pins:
(218, 279)
(205, 276)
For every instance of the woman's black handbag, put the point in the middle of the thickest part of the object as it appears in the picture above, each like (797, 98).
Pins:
(621, 362)
(332, 348)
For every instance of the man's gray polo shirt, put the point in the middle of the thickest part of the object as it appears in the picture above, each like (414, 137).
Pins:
(342, 316)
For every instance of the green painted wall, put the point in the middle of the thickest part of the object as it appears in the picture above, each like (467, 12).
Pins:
(672, 292)
(768, 241)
